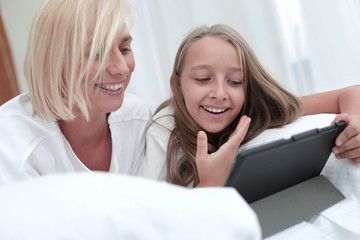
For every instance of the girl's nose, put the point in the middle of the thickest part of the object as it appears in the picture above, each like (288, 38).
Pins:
(218, 90)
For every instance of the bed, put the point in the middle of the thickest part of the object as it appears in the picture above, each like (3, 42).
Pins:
(106, 206)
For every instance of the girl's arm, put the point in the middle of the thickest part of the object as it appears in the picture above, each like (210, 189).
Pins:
(347, 102)
(344, 100)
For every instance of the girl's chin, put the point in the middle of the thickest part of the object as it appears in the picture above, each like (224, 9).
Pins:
(213, 130)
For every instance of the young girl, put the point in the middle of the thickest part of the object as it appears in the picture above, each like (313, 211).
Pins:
(218, 85)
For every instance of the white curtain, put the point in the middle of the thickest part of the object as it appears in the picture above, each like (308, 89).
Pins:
(309, 46)
(162, 24)
(147, 81)
(321, 41)
(332, 29)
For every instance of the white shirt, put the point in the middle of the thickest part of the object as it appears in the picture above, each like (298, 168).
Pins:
(30, 146)
(157, 138)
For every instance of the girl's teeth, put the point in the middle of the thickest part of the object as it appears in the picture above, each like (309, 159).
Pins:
(215, 110)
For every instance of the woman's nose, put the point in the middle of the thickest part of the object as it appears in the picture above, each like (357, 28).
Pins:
(116, 64)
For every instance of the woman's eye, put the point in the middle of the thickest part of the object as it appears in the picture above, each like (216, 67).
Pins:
(125, 50)
(203, 79)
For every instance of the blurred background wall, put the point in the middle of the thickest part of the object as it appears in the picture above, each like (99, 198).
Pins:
(308, 46)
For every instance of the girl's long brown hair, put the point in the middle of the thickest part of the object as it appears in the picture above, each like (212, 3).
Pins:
(267, 103)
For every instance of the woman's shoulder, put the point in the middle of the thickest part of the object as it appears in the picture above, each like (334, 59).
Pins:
(22, 133)
(17, 116)
(20, 104)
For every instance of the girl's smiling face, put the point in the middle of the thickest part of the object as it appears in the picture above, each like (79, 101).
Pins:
(212, 83)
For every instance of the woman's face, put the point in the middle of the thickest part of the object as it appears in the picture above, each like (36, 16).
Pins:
(107, 93)
(212, 83)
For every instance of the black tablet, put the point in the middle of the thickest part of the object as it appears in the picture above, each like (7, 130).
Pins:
(264, 170)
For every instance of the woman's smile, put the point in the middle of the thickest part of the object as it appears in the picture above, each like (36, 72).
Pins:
(110, 88)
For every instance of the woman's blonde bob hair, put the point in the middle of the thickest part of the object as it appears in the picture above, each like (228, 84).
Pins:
(267, 103)
(66, 37)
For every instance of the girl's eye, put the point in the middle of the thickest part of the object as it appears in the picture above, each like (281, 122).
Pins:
(204, 79)
(235, 82)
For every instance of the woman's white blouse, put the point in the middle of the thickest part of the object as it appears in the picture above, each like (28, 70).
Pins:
(30, 146)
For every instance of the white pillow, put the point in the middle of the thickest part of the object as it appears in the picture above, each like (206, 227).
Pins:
(106, 206)
(301, 124)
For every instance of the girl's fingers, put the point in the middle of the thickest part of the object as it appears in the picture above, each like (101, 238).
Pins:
(202, 148)
(239, 134)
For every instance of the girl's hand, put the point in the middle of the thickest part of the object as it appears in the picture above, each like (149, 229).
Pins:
(347, 144)
(213, 169)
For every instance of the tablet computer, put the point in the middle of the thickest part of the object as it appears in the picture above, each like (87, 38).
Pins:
(264, 170)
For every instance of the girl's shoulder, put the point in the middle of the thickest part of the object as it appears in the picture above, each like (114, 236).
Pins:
(164, 118)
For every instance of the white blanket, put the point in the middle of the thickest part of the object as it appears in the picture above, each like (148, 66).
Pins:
(105, 206)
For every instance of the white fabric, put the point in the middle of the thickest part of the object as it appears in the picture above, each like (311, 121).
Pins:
(30, 146)
(109, 206)
(301, 124)
(157, 137)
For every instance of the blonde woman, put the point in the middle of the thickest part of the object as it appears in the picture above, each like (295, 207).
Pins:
(218, 86)
(76, 116)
